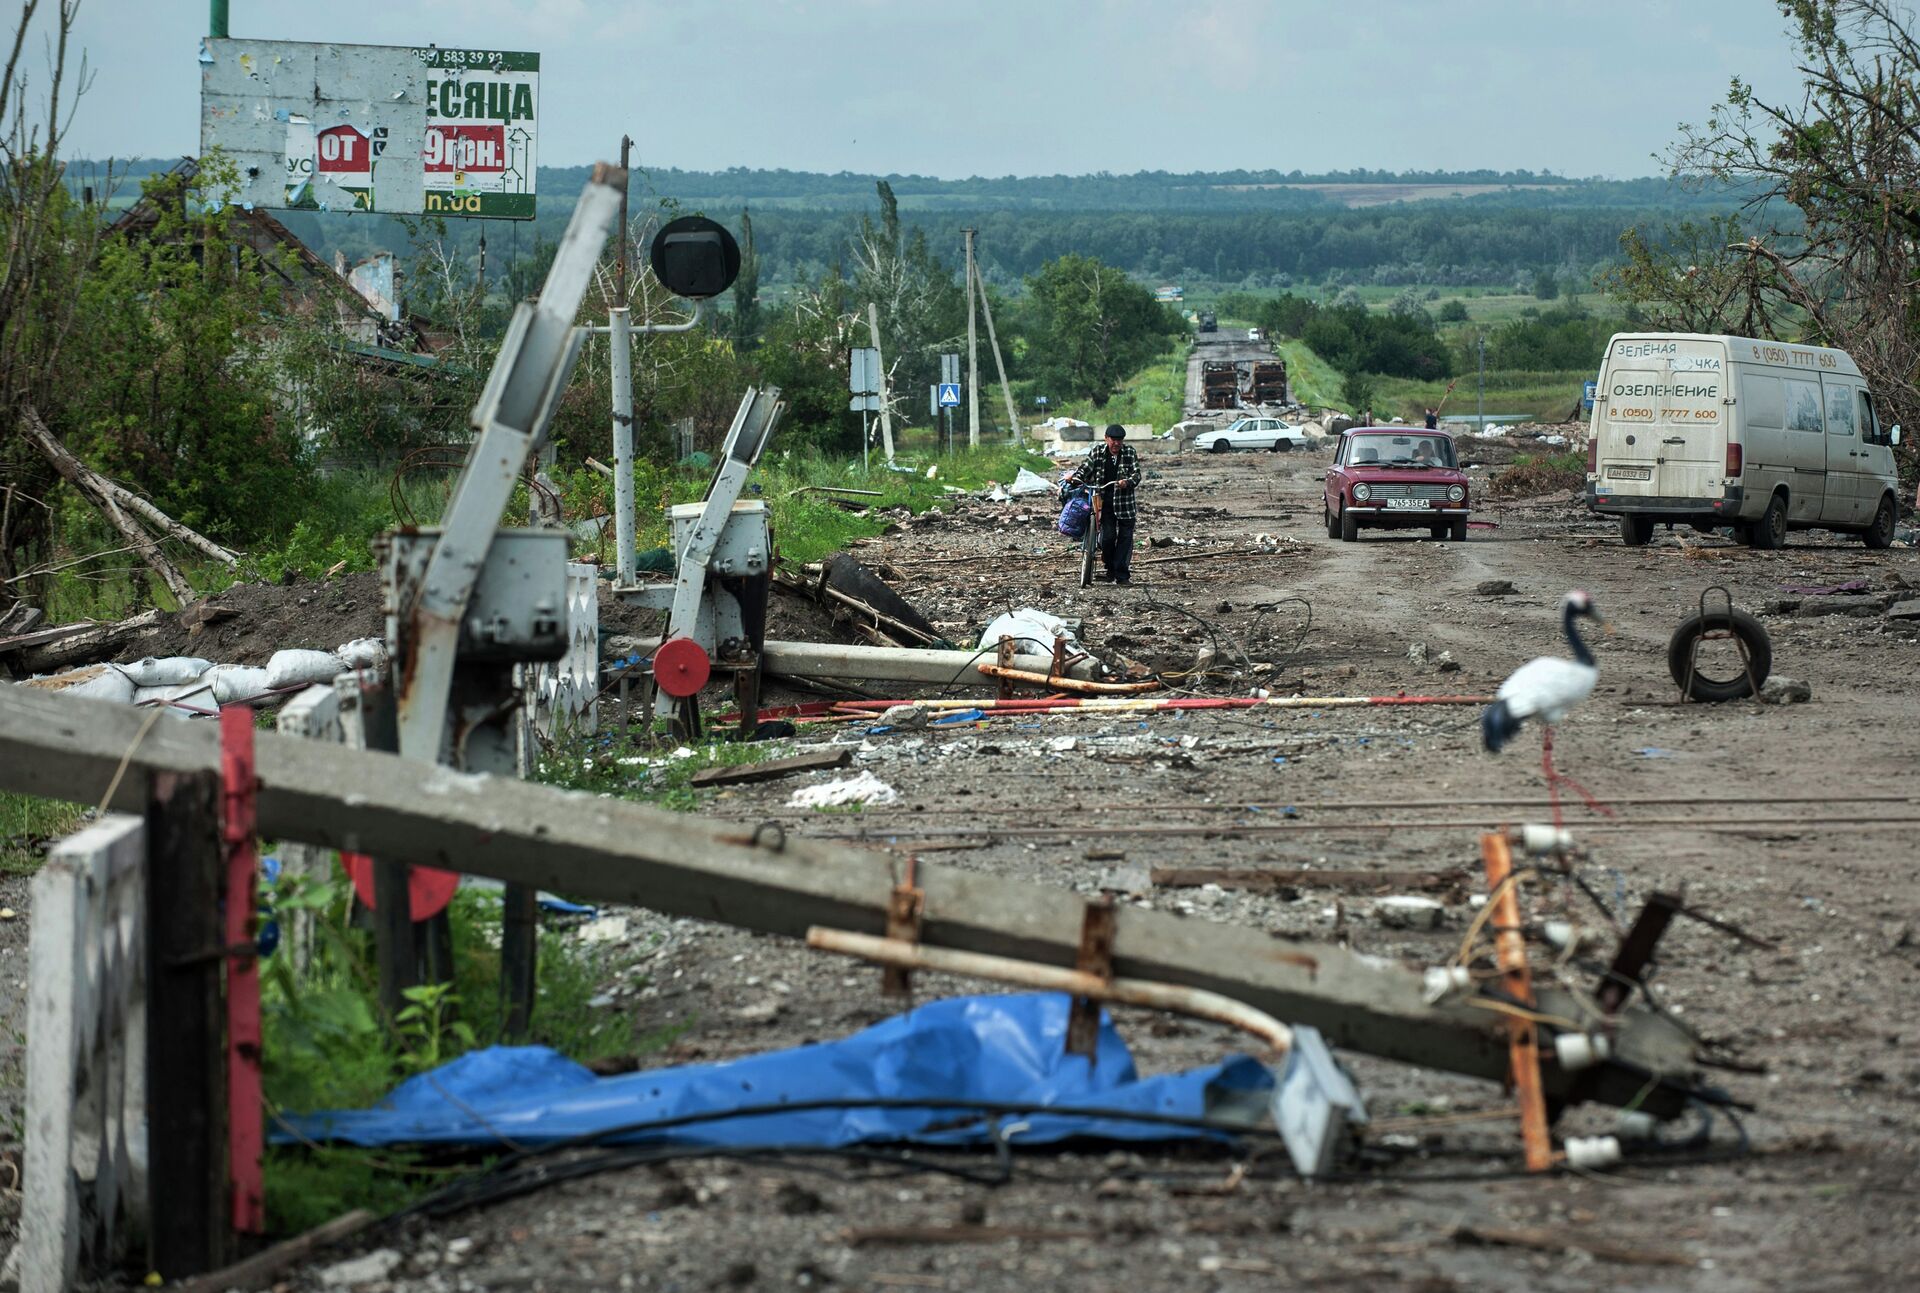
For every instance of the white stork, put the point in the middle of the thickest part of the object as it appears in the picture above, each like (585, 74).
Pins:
(1547, 689)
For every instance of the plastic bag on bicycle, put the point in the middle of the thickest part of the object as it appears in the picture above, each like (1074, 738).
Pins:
(1076, 514)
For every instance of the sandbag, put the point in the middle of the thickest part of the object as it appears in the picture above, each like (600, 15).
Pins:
(295, 667)
(96, 682)
(165, 671)
(1033, 632)
(363, 653)
(234, 683)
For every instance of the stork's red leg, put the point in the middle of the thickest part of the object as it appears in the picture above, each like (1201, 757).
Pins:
(1554, 778)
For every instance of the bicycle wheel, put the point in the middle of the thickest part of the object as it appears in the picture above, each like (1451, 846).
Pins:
(1087, 548)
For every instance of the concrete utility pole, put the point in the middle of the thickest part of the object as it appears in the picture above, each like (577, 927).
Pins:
(999, 366)
(1483, 383)
(423, 814)
(973, 356)
(880, 358)
(619, 343)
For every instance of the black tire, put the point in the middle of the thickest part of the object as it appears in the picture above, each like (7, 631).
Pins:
(1220, 446)
(1743, 626)
(1349, 526)
(1769, 533)
(1437, 531)
(1458, 529)
(1333, 526)
(1880, 533)
(1636, 531)
(1283, 446)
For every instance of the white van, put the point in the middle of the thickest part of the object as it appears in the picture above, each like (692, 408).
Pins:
(1764, 436)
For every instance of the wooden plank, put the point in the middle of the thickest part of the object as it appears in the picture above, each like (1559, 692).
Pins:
(1254, 880)
(775, 881)
(251, 1273)
(747, 774)
(1543, 1239)
(186, 1054)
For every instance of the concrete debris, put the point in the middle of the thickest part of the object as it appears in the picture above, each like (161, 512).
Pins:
(355, 1272)
(906, 718)
(1493, 588)
(1909, 610)
(1785, 691)
(1409, 912)
(607, 929)
(864, 788)
(1417, 655)
(1445, 663)
(1811, 607)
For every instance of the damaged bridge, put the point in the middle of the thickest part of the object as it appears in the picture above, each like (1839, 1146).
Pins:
(763, 879)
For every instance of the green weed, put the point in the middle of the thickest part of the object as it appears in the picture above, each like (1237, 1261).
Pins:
(28, 825)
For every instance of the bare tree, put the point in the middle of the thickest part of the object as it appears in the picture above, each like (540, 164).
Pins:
(1834, 193)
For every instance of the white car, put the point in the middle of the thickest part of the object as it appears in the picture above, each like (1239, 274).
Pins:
(1253, 334)
(1253, 433)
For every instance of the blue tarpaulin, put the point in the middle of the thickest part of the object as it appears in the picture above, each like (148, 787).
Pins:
(998, 1049)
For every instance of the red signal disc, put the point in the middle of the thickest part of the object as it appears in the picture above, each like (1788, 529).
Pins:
(681, 667)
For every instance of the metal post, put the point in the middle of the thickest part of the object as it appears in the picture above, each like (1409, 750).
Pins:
(626, 151)
(865, 435)
(973, 356)
(880, 361)
(217, 19)
(620, 344)
(1483, 383)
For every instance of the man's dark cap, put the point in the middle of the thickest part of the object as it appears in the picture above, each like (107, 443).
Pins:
(1116, 432)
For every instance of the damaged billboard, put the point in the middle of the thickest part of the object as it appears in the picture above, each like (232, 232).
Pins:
(405, 131)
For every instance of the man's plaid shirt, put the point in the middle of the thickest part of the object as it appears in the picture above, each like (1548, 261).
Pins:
(1102, 467)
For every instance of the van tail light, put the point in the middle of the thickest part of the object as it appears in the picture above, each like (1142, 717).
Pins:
(1593, 455)
(1733, 461)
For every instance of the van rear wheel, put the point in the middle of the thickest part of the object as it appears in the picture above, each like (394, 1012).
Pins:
(1636, 531)
(1770, 531)
(1880, 533)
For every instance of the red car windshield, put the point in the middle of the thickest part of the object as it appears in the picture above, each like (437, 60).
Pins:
(1412, 450)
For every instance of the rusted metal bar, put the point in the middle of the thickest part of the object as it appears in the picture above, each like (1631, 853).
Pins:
(1095, 957)
(1523, 1045)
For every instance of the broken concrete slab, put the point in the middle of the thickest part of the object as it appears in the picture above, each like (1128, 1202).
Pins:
(1811, 607)
(1785, 691)
(1904, 610)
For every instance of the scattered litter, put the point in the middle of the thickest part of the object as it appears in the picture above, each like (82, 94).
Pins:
(8, 913)
(1029, 482)
(368, 1268)
(1653, 752)
(907, 718)
(1409, 912)
(1062, 744)
(955, 718)
(607, 929)
(864, 788)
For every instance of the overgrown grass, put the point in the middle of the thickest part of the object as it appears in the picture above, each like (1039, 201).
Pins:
(28, 825)
(328, 1044)
(807, 524)
(1154, 396)
(1313, 379)
(1541, 397)
(660, 775)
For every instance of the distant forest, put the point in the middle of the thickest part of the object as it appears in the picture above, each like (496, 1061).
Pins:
(1253, 230)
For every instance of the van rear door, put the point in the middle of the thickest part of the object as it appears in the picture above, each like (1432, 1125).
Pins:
(1665, 420)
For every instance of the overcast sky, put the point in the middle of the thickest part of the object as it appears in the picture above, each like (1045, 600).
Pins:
(1023, 87)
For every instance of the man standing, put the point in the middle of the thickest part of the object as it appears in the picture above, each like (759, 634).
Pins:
(1119, 466)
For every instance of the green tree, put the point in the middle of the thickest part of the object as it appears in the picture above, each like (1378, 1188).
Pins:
(1088, 327)
(1454, 311)
(923, 308)
(1356, 392)
(1546, 285)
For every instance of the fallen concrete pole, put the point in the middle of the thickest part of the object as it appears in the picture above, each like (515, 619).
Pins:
(881, 664)
(767, 880)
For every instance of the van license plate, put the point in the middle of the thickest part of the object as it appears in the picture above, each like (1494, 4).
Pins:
(1629, 473)
(1406, 502)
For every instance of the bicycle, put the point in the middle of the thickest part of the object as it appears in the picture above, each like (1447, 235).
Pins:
(1090, 544)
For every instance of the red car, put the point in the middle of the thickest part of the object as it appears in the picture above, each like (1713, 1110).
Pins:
(1396, 478)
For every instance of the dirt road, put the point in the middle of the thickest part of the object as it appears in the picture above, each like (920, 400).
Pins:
(1825, 1198)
